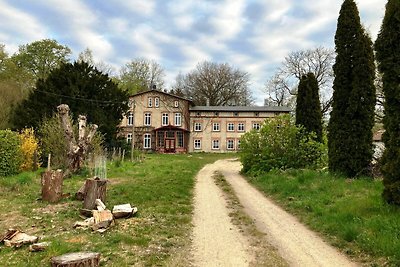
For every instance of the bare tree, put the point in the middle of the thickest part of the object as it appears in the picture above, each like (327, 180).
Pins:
(87, 56)
(283, 85)
(141, 74)
(216, 84)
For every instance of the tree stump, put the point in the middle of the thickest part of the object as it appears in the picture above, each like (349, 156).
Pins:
(81, 259)
(52, 185)
(95, 188)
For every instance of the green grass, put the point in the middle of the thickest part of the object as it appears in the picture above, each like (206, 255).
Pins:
(161, 187)
(350, 213)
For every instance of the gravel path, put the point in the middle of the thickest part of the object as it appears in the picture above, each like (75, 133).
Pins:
(217, 242)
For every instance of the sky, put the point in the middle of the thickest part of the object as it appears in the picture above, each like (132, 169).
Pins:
(251, 35)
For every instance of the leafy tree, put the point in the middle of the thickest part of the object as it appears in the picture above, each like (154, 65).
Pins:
(10, 153)
(86, 90)
(140, 75)
(388, 55)
(218, 84)
(41, 57)
(352, 116)
(282, 87)
(308, 108)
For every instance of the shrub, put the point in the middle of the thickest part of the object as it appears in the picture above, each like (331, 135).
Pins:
(29, 146)
(10, 153)
(280, 144)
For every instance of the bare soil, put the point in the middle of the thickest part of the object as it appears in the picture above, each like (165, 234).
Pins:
(217, 242)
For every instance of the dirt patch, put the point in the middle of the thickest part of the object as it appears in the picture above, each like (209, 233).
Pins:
(52, 209)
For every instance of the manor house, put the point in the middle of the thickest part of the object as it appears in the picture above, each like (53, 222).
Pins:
(166, 123)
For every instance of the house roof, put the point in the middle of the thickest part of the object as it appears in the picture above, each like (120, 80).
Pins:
(170, 128)
(241, 108)
(164, 93)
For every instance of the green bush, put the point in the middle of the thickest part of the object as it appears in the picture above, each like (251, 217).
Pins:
(10, 153)
(280, 144)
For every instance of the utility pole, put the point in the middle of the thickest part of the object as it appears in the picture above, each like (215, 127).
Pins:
(132, 105)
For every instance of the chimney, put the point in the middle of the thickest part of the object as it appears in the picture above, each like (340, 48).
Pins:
(154, 87)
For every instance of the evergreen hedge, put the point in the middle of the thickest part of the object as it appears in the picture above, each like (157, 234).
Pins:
(10, 153)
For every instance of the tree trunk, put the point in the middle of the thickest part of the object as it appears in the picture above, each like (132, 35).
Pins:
(52, 185)
(95, 188)
(81, 259)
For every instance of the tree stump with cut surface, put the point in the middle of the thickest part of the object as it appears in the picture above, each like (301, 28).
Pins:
(52, 185)
(95, 188)
(81, 259)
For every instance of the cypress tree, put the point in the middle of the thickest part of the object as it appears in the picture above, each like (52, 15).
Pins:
(352, 117)
(387, 48)
(308, 107)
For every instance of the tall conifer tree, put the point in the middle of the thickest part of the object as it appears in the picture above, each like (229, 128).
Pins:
(352, 117)
(308, 107)
(387, 48)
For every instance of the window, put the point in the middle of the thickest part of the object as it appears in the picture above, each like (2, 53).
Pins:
(198, 114)
(147, 119)
(256, 126)
(216, 114)
(216, 127)
(240, 127)
(130, 118)
(236, 114)
(129, 138)
(150, 102)
(176, 103)
(147, 141)
(178, 119)
(230, 144)
(179, 139)
(215, 144)
(197, 144)
(230, 127)
(238, 144)
(165, 119)
(156, 102)
(256, 114)
(197, 126)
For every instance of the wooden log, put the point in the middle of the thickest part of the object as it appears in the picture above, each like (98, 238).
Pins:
(52, 185)
(20, 239)
(81, 259)
(95, 188)
(102, 219)
(124, 210)
(38, 246)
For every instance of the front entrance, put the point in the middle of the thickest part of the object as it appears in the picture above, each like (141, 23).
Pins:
(169, 145)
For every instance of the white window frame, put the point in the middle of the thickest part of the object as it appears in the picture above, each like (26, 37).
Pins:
(178, 119)
(130, 119)
(157, 102)
(216, 127)
(147, 141)
(230, 129)
(197, 127)
(147, 119)
(165, 119)
(241, 127)
(230, 144)
(238, 144)
(197, 144)
(150, 102)
(215, 142)
(176, 103)
(256, 126)
(129, 138)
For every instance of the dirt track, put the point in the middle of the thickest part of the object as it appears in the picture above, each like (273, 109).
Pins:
(217, 242)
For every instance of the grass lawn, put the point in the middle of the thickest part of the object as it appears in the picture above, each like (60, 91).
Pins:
(350, 213)
(161, 187)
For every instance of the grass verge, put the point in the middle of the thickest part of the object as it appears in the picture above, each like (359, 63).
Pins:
(350, 213)
(264, 253)
(162, 189)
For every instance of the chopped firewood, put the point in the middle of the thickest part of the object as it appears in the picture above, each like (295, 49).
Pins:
(84, 259)
(85, 212)
(124, 210)
(95, 188)
(102, 219)
(20, 239)
(100, 205)
(9, 234)
(38, 246)
(84, 224)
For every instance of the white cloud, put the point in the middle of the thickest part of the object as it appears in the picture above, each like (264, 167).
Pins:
(140, 7)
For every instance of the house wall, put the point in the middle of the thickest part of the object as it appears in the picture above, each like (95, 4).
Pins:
(208, 134)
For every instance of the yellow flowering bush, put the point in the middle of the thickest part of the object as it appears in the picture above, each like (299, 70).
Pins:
(29, 146)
